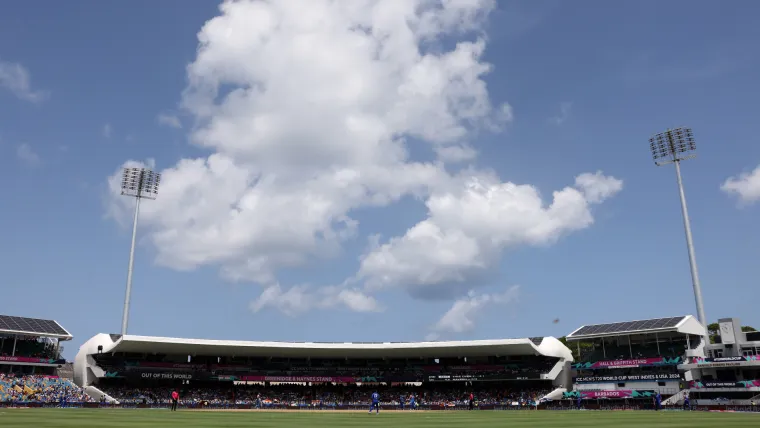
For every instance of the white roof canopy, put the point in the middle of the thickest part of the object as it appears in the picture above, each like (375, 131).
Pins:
(175, 346)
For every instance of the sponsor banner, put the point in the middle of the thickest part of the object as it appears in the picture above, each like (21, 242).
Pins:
(476, 368)
(619, 393)
(335, 379)
(223, 378)
(170, 375)
(725, 360)
(31, 360)
(181, 366)
(629, 378)
(156, 375)
(482, 377)
(635, 362)
(230, 368)
(336, 369)
(695, 384)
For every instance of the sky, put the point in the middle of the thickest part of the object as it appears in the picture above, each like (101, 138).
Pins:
(376, 170)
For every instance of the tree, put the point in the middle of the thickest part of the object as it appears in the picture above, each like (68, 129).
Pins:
(584, 346)
(713, 330)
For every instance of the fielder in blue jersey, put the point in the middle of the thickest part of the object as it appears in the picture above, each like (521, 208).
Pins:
(375, 403)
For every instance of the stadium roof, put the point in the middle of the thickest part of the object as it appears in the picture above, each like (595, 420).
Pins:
(683, 325)
(549, 346)
(32, 327)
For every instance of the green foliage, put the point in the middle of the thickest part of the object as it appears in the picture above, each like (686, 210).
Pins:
(584, 346)
(714, 333)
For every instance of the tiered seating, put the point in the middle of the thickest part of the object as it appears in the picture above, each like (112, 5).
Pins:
(41, 389)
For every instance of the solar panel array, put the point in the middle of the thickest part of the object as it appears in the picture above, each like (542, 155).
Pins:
(31, 325)
(631, 326)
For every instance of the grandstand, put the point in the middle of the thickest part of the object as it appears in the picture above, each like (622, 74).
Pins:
(30, 345)
(31, 366)
(634, 359)
(729, 371)
(143, 370)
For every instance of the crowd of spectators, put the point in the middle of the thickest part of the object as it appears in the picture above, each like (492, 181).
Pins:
(390, 372)
(40, 389)
(302, 396)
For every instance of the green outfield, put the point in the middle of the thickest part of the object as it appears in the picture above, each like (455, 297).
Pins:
(65, 418)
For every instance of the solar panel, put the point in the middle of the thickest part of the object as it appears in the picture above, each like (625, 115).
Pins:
(31, 325)
(630, 326)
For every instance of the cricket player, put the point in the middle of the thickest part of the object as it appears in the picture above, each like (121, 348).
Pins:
(375, 403)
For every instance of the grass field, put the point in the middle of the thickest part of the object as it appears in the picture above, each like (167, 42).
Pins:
(69, 418)
(65, 418)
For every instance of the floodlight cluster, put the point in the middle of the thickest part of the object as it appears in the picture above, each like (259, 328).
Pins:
(671, 143)
(140, 183)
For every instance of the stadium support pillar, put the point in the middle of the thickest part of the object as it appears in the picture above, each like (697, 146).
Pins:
(630, 347)
(57, 348)
(13, 353)
(657, 341)
(578, 344)
(604, 350)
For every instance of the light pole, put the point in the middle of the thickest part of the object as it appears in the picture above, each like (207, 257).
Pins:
(674, 146)
(138, 183)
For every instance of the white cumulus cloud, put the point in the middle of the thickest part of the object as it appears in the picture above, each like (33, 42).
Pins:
(15, 78)
(302, 298)
(463, 314)
(745, 186)
(169, 120)
(469, 225)
(308, 107)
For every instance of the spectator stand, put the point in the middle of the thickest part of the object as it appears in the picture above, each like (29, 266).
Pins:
(626, 360)
(31, 362)
(728, 374)
(142, 371)
(31, 345)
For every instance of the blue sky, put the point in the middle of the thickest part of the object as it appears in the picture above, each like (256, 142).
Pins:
(320, 255)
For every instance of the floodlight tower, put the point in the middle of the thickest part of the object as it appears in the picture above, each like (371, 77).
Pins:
(674, 146)
(138, 183)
